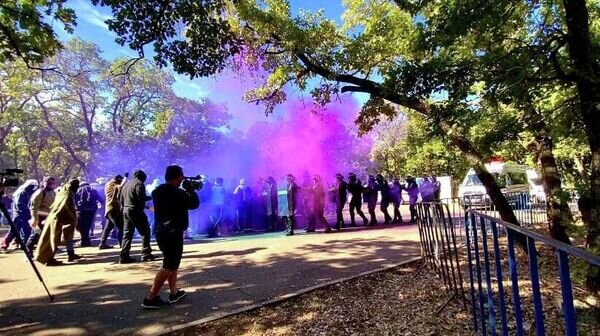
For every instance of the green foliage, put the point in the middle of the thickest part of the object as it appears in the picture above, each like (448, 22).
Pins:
(26, 32)
(408, 146)
(65, 122)
(192, 35)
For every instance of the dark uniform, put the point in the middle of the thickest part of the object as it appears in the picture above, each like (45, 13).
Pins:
(292, 202)
(341, 196)
(317, 205)
(413, 194)
(356, 190)
(370, 196)
(384, 188)
(87, 201)
(133, 202)
(396, 196)
(271, 203)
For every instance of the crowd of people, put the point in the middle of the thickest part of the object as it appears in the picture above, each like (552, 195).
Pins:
(125, 206)
(46, 216)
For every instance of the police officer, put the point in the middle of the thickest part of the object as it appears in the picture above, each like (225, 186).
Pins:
(292, 202)
(384, 188)
(413, 195)
(356, 190)
(396, 197)
(370, 196)
(317, 205)
(340, 190)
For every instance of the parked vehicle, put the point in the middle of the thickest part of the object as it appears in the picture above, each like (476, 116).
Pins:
(511, 178)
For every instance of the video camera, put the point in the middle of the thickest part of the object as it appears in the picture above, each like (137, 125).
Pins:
(195, 181)
(8, 177)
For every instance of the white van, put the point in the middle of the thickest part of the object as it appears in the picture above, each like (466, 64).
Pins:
(511, 178)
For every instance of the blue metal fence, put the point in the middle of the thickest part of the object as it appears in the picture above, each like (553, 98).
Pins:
(491, 309)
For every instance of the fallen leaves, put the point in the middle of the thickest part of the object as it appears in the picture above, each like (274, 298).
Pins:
(394, 302)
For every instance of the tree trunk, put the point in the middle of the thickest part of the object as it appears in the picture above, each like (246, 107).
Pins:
(487, 179)
(588, 88)
(557, 207)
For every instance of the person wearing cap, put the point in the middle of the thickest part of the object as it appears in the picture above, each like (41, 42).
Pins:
(112, 211)
(171, 218)
(39, 206)
(413, 196)
(340, 189)
(317, 206)
(270, 193)
(21, 214)
(292, 201)
(133, 200)
(396, 198)
(384, 189)
(370, 197)
(356, 190)
(60, 225)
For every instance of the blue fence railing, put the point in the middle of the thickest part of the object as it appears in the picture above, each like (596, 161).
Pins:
(497, 310)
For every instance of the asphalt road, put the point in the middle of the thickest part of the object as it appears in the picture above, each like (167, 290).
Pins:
(98, 296)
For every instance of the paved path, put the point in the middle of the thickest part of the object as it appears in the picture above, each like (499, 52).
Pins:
(98, 296)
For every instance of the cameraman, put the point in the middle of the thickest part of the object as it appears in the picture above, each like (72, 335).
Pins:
(171, 205)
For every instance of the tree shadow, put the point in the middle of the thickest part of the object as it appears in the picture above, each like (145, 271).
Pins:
(220, 281)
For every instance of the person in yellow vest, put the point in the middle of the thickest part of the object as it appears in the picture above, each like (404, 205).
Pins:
(60, 223)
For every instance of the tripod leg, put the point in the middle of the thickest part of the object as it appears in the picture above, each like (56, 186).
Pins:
(28, 253)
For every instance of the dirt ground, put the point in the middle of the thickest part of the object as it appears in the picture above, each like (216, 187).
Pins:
(401, 301)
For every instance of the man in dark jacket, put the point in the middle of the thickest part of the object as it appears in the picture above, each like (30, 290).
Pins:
(384, 188)
(171, 220)
(341, 196)
(292, 201)
(87, 200)
(396, 197)
(413, 195)
(356, 190)
(271, 203)
(133, 200)
(317, 205)
(370, 196)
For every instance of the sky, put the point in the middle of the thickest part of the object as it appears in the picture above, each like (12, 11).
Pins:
(222, 88)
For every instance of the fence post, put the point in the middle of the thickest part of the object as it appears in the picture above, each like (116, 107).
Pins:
(488, 278)
(567, 294)
(503, 318)
(478, 271)
(535, 287)
(470, 262)
(514, 279)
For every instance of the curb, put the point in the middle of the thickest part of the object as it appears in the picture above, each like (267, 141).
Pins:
(278, 299)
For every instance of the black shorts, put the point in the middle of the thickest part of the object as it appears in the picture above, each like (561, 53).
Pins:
(171, 245)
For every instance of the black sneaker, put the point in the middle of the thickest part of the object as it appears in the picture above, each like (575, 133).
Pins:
(148, 257)
(73, 257)
(54, 262)
(127, 261)
(174, 298)
(105, 247)
(155, 303)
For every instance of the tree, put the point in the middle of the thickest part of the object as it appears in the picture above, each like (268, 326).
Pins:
(26, 32)
(192, 35)
(78, 119)
(406, 146)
